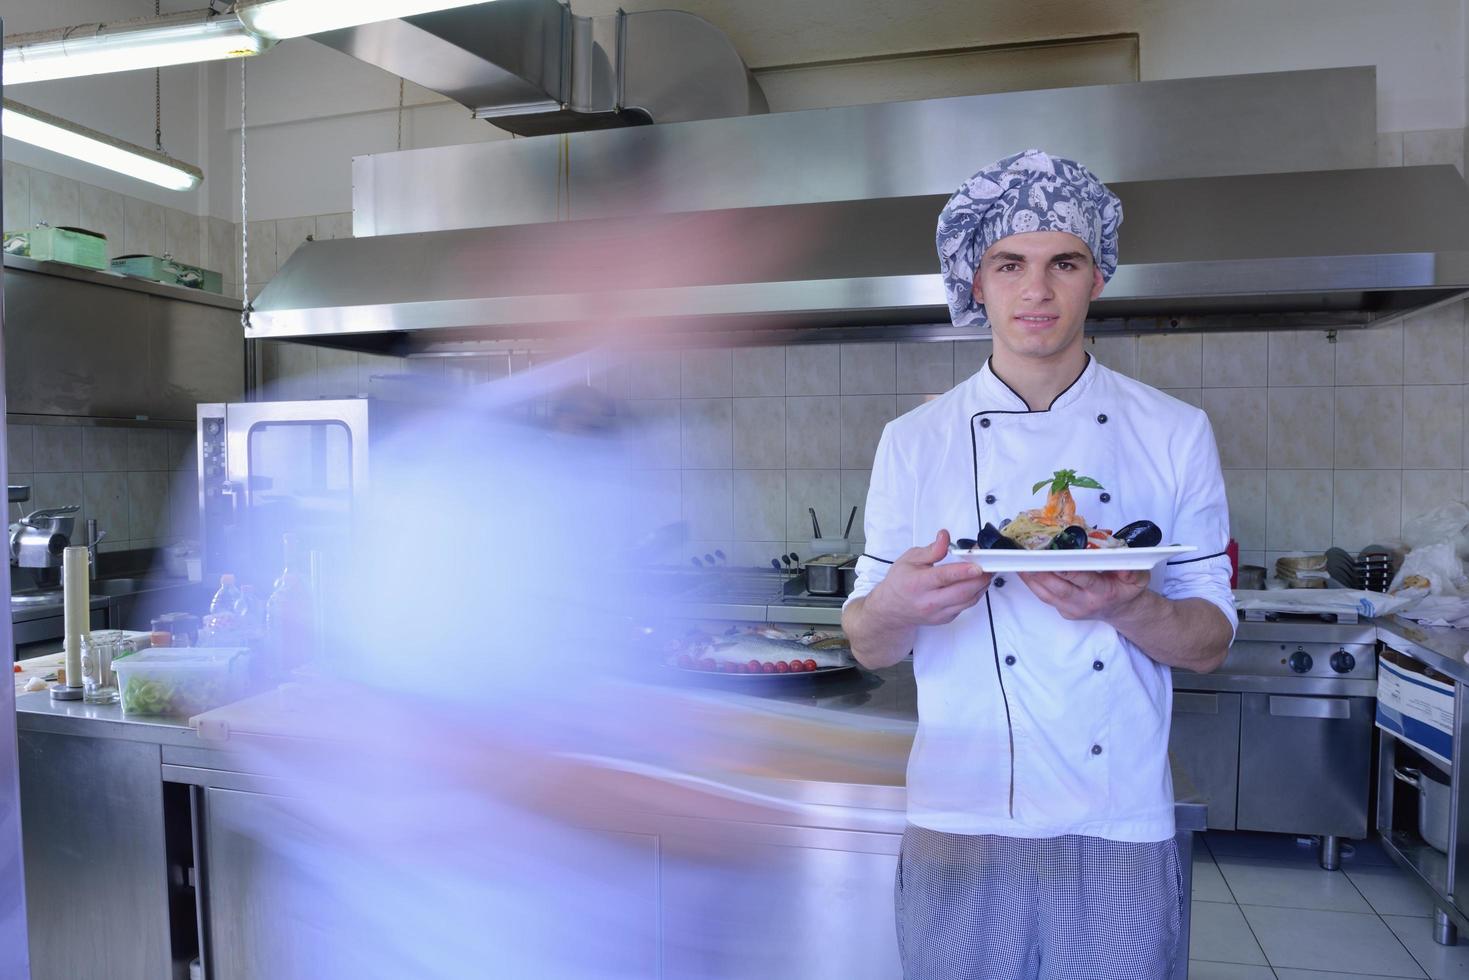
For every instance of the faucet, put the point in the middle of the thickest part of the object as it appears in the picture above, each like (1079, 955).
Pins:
(94, 538)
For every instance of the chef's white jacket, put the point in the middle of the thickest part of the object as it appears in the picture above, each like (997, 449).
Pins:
(1031, 725)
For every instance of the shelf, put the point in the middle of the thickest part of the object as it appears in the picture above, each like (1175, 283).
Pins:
(1429, 866)
(101, 277)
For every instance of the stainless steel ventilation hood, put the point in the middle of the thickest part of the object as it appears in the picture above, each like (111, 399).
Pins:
(1251, 202)
(532, 67)
(1330, 248)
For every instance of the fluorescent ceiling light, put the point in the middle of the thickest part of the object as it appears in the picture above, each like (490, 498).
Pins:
(280, 19)
(97, 49)
(52, 133)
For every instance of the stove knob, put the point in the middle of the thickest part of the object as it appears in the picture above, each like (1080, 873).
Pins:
(1343, 662)
(1300, 662)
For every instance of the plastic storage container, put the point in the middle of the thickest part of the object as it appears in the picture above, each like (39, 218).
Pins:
(180, 682)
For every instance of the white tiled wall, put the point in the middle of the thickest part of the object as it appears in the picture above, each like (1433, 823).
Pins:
(1321, 442)
(139, 483)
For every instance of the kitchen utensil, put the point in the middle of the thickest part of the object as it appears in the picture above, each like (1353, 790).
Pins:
(1251, 577)
(1433, 806)
(823, 574)
(847, 533)
(815, 525)
(1088, 560)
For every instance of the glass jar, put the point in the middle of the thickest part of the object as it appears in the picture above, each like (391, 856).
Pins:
(99, 680)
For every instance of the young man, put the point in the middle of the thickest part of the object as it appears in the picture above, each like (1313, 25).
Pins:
(1040, 807)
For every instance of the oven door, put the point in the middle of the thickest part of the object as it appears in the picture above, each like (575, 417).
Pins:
(298, 468)
(1305, 764)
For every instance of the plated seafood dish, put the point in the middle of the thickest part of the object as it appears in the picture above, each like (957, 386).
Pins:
(1057, 526)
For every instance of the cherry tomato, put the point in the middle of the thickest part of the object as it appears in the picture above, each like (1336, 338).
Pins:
(736, 668)
(754, 666)
(781, 667)
(685, 661)
(810, 665)
(767, 668)
(707, 663)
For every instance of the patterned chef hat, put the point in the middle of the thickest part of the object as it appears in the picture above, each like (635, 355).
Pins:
(1030, 191)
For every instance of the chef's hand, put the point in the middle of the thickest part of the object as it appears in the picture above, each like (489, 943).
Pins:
(1087, 595)
(920, 592)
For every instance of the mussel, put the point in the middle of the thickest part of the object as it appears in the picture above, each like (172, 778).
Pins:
(990, 537)
(965, 544)
(1071, 539)
(1140, 534)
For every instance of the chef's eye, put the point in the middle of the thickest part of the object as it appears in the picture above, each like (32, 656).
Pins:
(1065, 266)
(1009, 267)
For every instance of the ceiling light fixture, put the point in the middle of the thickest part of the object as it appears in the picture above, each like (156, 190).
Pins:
(89, 146)
(154, 42)
(280, 19)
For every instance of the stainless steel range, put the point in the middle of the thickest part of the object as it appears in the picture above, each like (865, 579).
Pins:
(1280, 737)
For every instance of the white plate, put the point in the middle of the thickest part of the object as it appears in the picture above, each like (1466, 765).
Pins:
(1087, 560)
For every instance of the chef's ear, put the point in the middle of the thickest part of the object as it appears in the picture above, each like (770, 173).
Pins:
(1098, 282)
(977, 289)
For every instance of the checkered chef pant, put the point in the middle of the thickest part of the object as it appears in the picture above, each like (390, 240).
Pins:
(1060, 908)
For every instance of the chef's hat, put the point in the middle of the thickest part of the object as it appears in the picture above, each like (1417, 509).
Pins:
(1030, 191)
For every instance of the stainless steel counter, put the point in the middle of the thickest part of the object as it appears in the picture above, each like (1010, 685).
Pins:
(1440, 647)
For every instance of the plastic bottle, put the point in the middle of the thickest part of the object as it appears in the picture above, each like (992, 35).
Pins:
(226, 598)
(288, 623)
(250, 610)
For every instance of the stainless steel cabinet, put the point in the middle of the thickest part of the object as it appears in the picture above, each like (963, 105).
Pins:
(96, 870)
(254, 928)
(781, 911)
(1305, 762)
(1204, 744)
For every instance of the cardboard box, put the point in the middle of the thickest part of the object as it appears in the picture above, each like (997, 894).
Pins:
(167, 270)
(1417, 709)
(74, 246)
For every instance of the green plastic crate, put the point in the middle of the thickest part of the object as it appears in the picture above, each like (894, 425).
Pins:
(75, 246)
(167, 270)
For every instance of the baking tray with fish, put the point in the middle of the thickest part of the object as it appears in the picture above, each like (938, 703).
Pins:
(760, 654)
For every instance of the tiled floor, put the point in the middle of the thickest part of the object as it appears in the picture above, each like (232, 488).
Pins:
(1264, 910)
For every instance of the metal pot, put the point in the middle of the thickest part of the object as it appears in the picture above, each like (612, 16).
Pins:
(824, 575)
(849, 578)
(1251, 577)
(1433, 806)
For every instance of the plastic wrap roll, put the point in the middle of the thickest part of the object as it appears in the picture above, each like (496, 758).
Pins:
(77, 599)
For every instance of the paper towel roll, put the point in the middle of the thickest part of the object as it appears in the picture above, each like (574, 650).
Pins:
(77, 602)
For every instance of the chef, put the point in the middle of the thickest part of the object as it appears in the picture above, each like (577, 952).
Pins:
(1040, 809)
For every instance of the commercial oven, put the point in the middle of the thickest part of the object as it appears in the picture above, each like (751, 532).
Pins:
(1279, 738)
(267, 469)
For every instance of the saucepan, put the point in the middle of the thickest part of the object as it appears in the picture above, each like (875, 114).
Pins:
(1433, 805)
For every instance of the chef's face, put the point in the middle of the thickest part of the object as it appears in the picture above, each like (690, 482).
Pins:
(1036, 287)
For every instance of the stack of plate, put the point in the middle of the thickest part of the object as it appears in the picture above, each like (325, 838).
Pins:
(1375, 568)
(1371, 570)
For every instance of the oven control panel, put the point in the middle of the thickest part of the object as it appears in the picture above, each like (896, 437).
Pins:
(1302, 658)
(218, 503)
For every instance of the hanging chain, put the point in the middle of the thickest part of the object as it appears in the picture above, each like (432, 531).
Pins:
(158, 93)
(157, 110)
(400, 113)
(244, 214)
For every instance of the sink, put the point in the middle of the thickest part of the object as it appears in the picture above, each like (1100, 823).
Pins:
(102, 587)
(127, 586)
